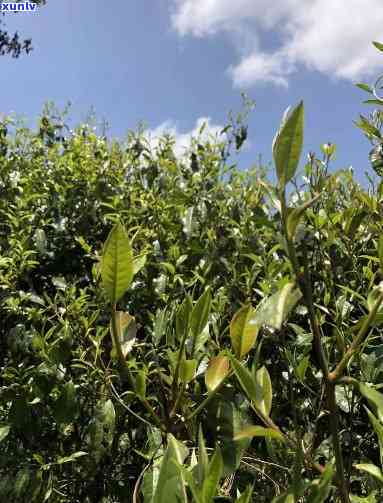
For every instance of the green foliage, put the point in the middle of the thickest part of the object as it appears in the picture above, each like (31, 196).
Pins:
(174, 329)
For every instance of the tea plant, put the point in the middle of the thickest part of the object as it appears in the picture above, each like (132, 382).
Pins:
(173, 329)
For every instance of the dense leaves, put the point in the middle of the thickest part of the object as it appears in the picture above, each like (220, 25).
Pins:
(174, 329)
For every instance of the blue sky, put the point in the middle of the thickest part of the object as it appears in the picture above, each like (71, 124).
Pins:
(171, 63)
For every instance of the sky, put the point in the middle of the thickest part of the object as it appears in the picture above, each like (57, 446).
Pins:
(174, 64)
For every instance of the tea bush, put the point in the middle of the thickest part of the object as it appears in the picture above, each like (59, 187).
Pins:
(173, 329)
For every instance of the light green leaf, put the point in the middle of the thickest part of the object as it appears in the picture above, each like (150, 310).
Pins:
(373, 470)
(380, 252)
(117, 264)
(138, 263)
(321, 488)
(4, 431)
(378, 427)
(170, 486)
(126, 333)
(374, 398)
(216, 372)
(200, 313)
(209, 488)
(287, 144)
(203, 460)
(264, 391)
(187, 370)
(378, 45)
(284, 498)
(71, 458)
(371, 498)
(246, 379)
(141, 383)
(183, 317)
(365, 87)
(274, 310)
(244, 329)
(245, 496)
(258, 431)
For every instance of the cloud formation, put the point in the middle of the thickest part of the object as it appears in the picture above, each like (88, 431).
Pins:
(183, 140)
(330, 36)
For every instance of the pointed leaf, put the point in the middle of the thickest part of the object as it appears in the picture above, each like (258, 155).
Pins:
(4, 431)
(274, 310)
(126, 332)
(187, 370)
(378, 45)
(117, 263)
(287, 145)
(170, 482)
(216, 372)
(244, 330)
(373, 470)
(245, 379)
(258, 431)
(374, 398)
(378, 427)
(200, 313)
(245, 496)
(365, 87)
(209, 488)
(380, 252)
(138, 263)
(203, 459)
(263, 390)
(183, 317)
(320, 490)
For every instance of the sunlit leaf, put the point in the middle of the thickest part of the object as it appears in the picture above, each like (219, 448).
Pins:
(4, 431)
(258, 431)
(216, 372)
(126, 332)
(287, 145)
(274, 310)
(373, 470)
(244, 329)
(210, 484)
(374, 397)
(117, 263)
(200, 313)
(264, 392)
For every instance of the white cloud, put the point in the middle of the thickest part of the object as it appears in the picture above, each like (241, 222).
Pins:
(330, 36)
(183, 140)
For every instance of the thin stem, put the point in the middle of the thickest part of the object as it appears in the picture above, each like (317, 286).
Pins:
(177, 402)
(125, 371)
(336, 374)
(334, 426)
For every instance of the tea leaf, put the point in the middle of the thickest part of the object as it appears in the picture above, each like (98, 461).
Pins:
(274, 310)
(373, 470)
(287, 145)
(264, 392)
(216, 372)
(117, 267)
(258, 431)
(244, 328)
